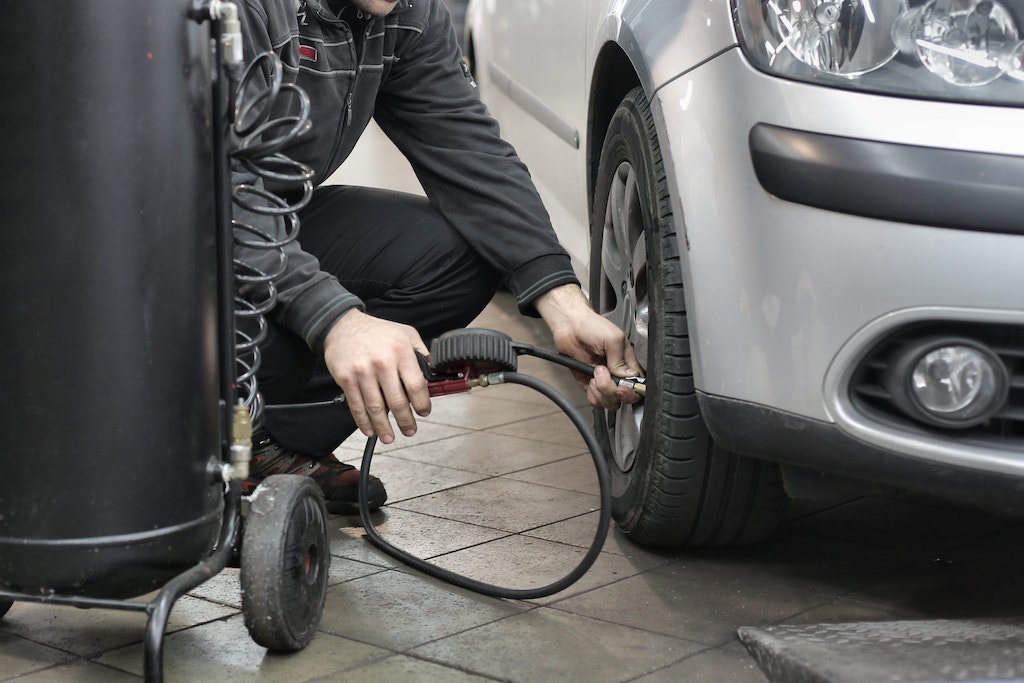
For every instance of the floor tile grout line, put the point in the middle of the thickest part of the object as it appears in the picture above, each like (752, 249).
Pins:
(449, 665)
(407, 651)
(527, 608)
(402, 453)
(706, 649)
(555, 606)
(333, 675)
(93, 657)
(511, 534)
(496, 425)
(486, 476)
(507, 532)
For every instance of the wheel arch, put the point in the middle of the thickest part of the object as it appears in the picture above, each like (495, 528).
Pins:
(614, 74)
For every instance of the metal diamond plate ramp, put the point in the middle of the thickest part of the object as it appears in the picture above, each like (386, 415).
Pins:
(873, 652)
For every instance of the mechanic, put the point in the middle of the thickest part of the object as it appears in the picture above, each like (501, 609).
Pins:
(376, 274)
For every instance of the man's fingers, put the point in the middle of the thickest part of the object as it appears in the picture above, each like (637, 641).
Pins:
(356, 406)
(374, 361)
(583, 380)
(628, 366)
(377, 411)
(414, 384)
(398, 402)
(621, 359)
(632, 363)
(604, 392)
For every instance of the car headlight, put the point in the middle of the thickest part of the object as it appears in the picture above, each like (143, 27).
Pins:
(963, 50)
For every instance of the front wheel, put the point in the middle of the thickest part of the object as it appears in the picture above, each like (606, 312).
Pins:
(671, 484)
(4, 606)
(285, 559)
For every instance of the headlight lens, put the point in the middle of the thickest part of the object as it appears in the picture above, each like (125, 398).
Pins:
(843, 38)
(971, 44)
(964, 50)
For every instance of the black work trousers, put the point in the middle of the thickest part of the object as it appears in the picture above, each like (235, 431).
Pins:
(405, 261)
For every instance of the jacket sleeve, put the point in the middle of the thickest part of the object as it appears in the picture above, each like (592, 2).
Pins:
(308, 299)
(430, 108)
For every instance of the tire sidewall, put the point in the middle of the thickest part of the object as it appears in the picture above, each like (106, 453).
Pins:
(627, 141)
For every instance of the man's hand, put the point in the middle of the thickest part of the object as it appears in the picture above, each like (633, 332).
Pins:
(374, 362)
(581, 333)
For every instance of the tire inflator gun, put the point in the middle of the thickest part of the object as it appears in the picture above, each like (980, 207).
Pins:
(459, 361)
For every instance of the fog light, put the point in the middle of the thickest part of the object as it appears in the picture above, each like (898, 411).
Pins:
(948, 382)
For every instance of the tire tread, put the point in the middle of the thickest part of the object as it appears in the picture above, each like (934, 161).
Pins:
(694, 492)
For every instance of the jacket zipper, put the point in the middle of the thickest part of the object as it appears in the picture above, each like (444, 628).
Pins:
(347, 120)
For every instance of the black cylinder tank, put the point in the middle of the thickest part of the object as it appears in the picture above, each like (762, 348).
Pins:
(108, 356)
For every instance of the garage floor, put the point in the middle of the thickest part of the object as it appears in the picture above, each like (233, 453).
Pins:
(497, 485)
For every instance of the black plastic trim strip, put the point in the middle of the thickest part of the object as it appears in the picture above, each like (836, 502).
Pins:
(902, 183)
(758, 431)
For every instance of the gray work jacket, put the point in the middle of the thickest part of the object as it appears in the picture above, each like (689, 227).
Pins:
(406, 72)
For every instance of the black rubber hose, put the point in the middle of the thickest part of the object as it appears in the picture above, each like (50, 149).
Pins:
(481, 587)
(560, 359)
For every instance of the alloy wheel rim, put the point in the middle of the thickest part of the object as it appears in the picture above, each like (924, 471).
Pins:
(625, 297)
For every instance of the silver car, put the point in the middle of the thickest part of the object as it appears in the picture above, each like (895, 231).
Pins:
(809, 218)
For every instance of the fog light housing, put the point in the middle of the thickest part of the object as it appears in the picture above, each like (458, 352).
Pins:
(947, 382)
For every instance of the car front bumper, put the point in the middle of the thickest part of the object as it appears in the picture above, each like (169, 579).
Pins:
(870, 213)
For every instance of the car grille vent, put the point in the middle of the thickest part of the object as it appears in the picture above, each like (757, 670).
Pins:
(1004, 431)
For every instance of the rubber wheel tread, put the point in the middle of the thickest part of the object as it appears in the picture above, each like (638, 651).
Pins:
(285, 559)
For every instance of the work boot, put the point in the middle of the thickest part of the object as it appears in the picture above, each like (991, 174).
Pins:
(338, 481)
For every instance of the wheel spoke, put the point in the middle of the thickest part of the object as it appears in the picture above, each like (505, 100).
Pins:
(624, 295)
(638, 256)
(614, 269)
(629, 212)
(641, 297)
(617, 244)
(624, 430)
(612, 261)
(632, 219)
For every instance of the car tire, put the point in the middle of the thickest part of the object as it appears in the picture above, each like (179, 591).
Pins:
(672, 485)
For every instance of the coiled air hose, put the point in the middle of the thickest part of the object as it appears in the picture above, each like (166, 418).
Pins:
(258, 136)
(478, 357)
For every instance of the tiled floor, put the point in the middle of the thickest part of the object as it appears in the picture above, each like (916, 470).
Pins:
(498, 485)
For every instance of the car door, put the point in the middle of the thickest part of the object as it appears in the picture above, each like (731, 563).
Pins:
(535, 61)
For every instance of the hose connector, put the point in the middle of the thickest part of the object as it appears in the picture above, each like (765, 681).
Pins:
(231, 30)
(241, 443)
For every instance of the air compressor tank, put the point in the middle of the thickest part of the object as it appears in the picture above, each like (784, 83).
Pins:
(109, 391)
